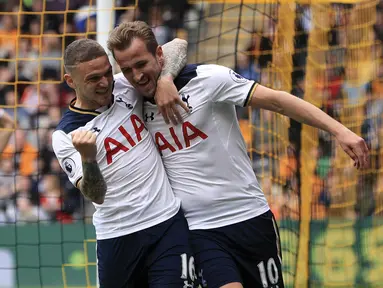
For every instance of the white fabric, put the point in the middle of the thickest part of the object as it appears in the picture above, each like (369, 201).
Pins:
(138, 194)
(206, 157)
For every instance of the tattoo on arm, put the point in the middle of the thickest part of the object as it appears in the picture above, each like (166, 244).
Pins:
(175, 56)
(92, 185)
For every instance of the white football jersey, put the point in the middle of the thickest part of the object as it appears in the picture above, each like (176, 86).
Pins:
(138, 194)
(206, 158)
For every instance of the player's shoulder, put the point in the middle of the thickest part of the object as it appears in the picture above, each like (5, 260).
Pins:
(196, 72)
(217, 74)
(212, 70)
(121, 84)
(188, 73)
(123, 90)
(203, 72)
(73, 120)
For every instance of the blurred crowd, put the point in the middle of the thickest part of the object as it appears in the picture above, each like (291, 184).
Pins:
(352, 94)
(32, 184)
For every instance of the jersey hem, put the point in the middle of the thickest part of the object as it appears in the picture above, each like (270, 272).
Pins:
(123, 232)
(220, 224)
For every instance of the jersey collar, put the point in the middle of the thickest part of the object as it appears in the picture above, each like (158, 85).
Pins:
(89, 111)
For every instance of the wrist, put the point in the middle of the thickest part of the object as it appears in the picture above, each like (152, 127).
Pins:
(338, 130)
(88, 159)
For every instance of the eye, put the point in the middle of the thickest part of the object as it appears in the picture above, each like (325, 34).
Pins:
(126, 70)
(94, 79)
(141, 64)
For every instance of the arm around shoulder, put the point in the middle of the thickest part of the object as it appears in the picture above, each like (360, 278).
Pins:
(175, 57)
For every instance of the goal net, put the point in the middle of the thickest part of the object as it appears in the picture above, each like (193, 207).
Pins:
(329, 54)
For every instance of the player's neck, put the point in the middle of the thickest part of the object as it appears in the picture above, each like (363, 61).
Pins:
(84, 105)
(150, 100)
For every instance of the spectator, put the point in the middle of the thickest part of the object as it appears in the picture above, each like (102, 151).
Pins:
(8, 34)
(7, 125)
(23, 152)
(246, 68)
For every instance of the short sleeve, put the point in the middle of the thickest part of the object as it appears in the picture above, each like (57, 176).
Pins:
(225, 85)
(68, 157)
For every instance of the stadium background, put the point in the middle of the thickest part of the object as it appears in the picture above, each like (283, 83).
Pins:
(326, 53)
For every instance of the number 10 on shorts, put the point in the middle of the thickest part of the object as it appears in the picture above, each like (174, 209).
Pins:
(188, 269)
(271, 275)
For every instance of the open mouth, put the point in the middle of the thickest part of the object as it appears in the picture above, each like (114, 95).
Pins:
(143, 83)
(102, 91)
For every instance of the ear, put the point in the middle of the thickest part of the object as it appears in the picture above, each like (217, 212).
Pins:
(69, 80)
(160, 55)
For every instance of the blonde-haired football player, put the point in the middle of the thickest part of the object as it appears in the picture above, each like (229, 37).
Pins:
(233, 232)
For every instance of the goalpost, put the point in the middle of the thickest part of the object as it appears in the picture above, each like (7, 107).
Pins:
(105, 22)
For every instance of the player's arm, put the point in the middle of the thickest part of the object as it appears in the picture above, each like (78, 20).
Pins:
(167, 98)
(304, 112)
(175, 58)
(6, 123)
(227, 86)
(92, 185)
(79, 163)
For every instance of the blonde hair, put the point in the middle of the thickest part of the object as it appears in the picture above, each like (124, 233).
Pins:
(122, 36)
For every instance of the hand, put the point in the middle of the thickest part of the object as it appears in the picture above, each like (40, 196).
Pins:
(167, 99)
(85, 144)
(6, 121)
(355, 147)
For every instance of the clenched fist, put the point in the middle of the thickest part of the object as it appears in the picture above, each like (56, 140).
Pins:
(85, 143)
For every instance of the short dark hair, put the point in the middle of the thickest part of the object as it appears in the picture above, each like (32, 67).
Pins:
(80, 51)
(122, 36)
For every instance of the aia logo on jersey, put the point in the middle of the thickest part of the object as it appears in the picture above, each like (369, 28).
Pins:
(184, 140)
(185, 98)
(127, 105)
(236, 77)
(113, 146)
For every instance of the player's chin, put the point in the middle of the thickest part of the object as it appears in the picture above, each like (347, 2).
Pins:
(104, 98)
(148, 93)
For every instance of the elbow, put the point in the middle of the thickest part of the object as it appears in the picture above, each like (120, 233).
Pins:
(99, 200)
(181, 41)
(183, 47)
